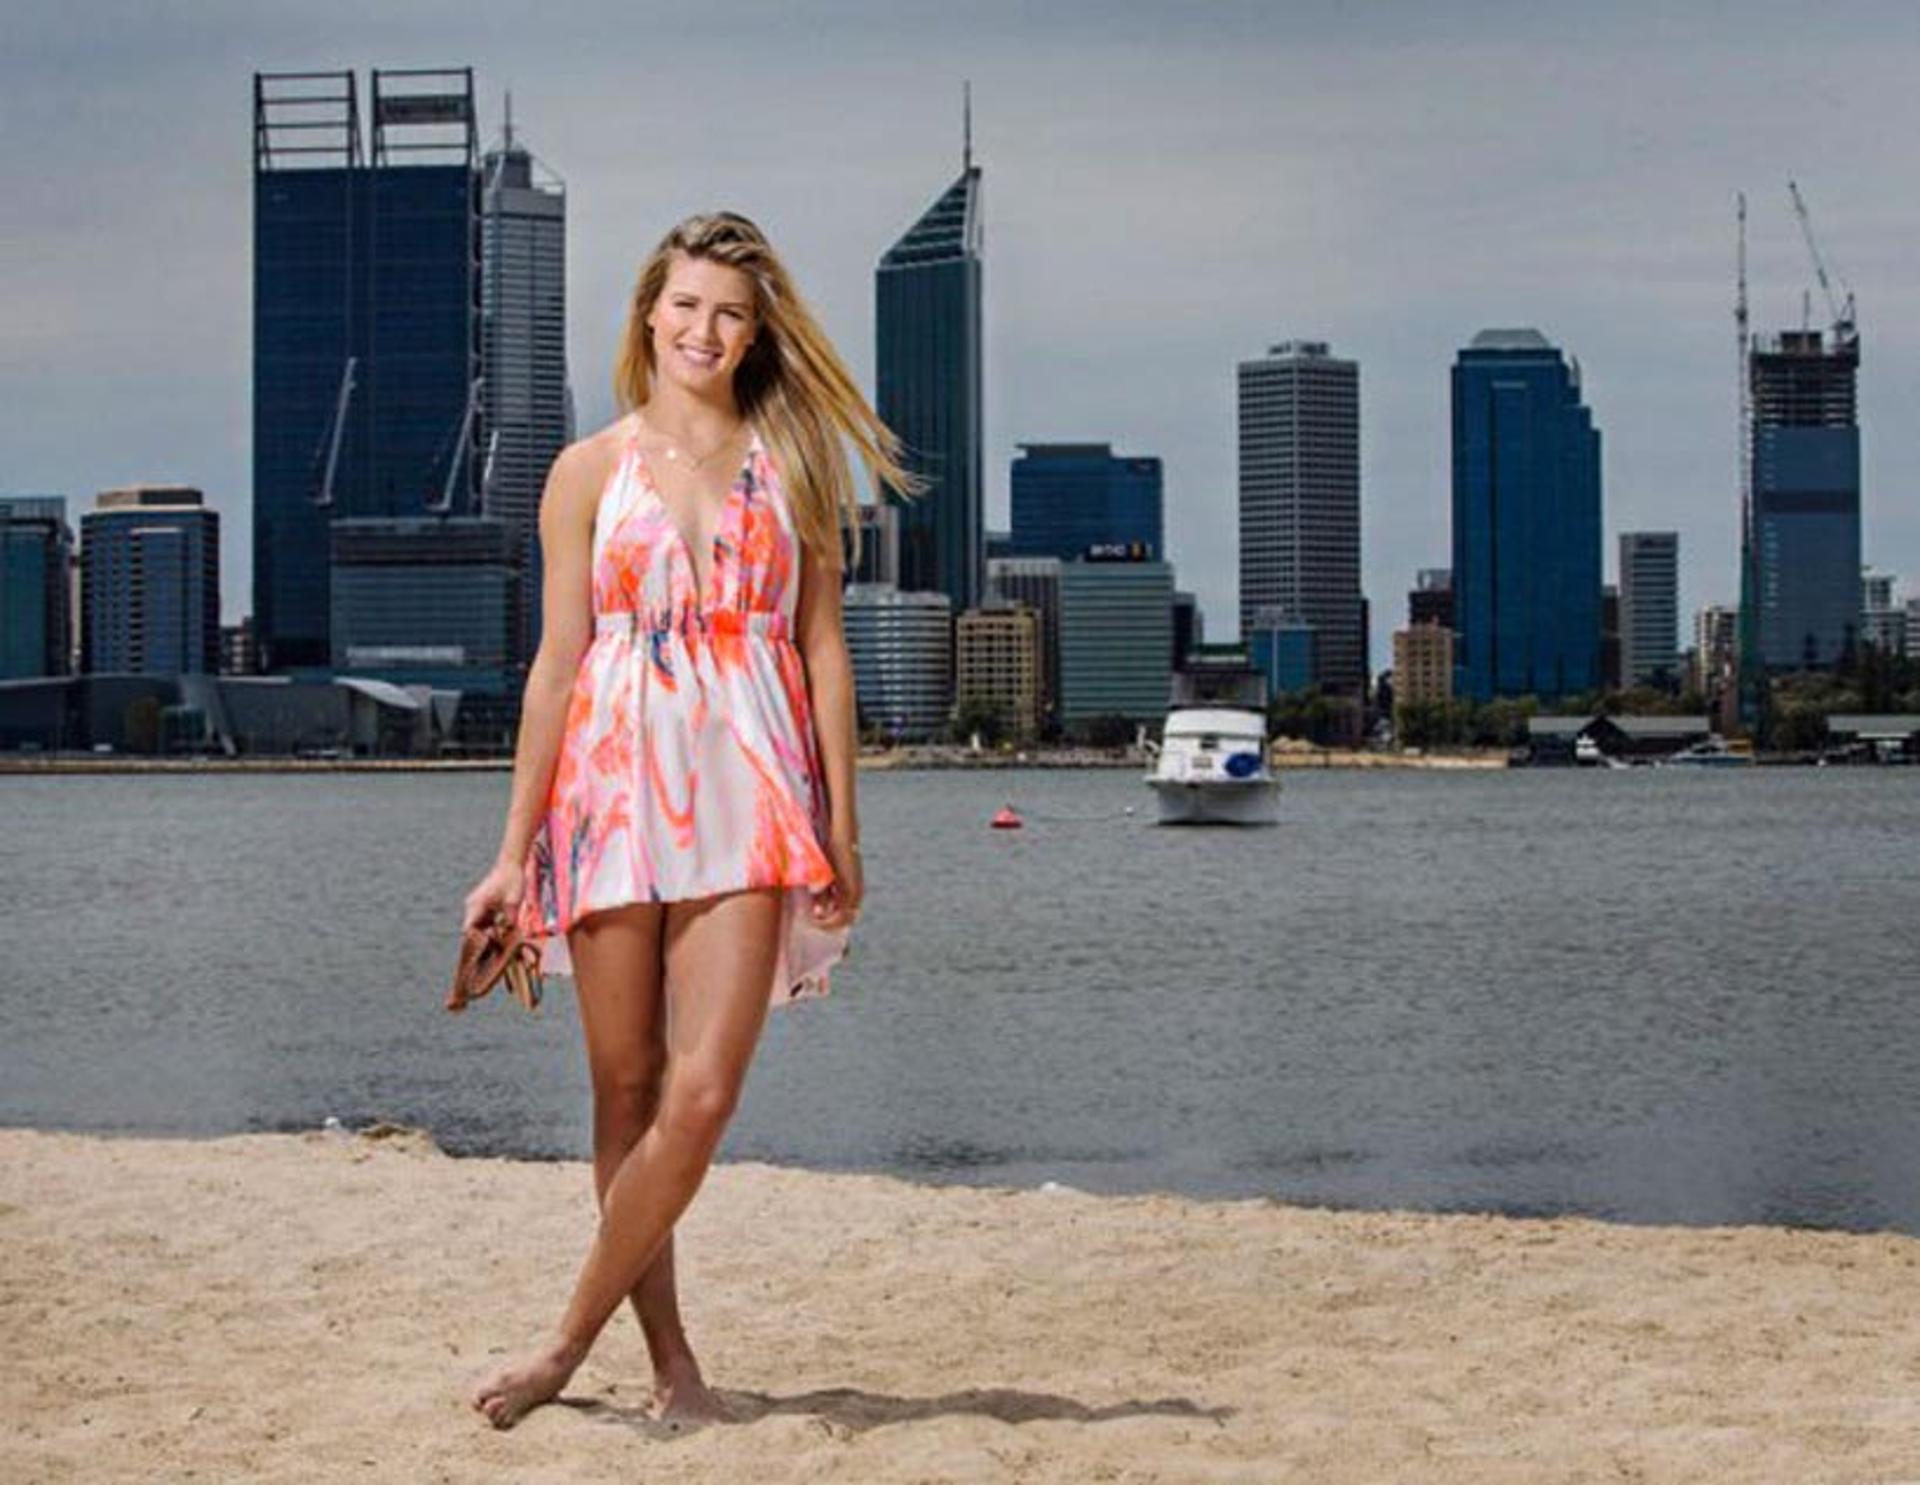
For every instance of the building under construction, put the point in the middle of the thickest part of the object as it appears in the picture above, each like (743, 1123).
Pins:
(1800, 601)
(1806, 496)
(366, 327)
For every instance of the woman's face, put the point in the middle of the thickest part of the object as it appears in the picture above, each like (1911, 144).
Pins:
(702, 323)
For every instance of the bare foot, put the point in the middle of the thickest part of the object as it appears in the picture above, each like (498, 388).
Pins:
(680, 1395)
(506, 1395)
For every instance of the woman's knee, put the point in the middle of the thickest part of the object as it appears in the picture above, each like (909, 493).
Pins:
(629, 1096)
(697, 1103)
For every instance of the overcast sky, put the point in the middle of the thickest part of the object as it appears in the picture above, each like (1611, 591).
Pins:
(1169, 189)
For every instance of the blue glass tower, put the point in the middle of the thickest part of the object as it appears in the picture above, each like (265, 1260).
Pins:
(1526, 521)
(366, 336)
(150, 582)
(1071, 496)
(928, 375)
(1806, 496)
(36, 554)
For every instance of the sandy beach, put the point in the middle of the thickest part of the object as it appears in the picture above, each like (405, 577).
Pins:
(310, 1307)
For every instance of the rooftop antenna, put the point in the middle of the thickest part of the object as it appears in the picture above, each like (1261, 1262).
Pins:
(509, 123)
(966, 124)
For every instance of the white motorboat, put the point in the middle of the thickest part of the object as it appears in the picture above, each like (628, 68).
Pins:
(1210, 768)
(1713, 752)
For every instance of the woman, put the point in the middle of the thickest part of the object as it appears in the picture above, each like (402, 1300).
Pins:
(682, 836)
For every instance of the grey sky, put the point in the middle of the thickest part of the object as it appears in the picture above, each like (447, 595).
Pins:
(1169, 189)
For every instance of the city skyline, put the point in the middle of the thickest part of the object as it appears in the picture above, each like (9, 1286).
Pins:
(1148, 227)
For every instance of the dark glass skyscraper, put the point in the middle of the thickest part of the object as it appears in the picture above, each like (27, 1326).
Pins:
(366, 337)
(36, 556)
(1526, 521)
(928, 373)
(1071, 496)
(1806, 496)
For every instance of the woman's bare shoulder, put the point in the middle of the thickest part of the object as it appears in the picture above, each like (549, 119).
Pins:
(582, 468)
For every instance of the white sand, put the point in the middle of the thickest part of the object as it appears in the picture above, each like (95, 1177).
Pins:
(311, 1308)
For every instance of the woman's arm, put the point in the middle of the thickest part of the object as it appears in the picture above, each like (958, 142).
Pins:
(823, 650)
(566, 541)
(823, 647)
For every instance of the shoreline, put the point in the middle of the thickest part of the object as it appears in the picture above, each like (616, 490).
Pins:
(909, 760)
(299, 1306)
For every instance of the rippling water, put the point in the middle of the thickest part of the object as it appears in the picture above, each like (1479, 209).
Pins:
(1650, 995)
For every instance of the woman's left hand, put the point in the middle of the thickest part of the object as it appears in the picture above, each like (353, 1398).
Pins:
(837, 905)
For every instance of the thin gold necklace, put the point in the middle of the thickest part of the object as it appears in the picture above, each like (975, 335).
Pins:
(673, 449)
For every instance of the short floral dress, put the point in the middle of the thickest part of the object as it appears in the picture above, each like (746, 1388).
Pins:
(688, 766)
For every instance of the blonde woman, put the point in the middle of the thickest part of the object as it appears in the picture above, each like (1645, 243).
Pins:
(682, 837)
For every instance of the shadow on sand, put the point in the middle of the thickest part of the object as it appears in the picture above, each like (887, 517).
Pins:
(846, 1411)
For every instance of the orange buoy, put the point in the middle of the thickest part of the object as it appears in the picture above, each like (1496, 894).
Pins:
(1006, 819)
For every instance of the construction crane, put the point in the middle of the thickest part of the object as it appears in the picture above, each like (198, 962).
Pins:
(321, 492)
(1749, 685)
(1841, 309)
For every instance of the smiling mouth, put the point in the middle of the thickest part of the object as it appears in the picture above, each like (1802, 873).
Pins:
(701, 358)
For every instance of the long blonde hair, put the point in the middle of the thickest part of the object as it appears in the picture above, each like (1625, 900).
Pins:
(791, 384)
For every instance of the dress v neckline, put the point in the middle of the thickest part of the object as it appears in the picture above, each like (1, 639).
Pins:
(701, 582)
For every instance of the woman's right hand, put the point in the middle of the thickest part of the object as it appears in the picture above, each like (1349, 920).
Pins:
(502, 888)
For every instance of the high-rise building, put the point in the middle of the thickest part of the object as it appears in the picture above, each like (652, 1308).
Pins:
(525, 403)
(1068, 497)
(366, 326)
(1299, 419)
(1649, 608)
(1034, 583)
(928, 366)
(1116, 640)
(996, 652)
(1526, 520)
(150, 582)
(36, 616)
(901, 646)
(1806, 496)
(1430, 599)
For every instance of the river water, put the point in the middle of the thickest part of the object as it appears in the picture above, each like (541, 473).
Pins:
(1651, 996)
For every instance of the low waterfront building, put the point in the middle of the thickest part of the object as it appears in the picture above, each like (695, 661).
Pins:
(263, 716)
(1034, 583)
(150, 582)
(1883, 623)
(1716, 648)
(1116, 640)
(997, 664)
(1284, 649)
(36, 560)
(901, 645)
(1422, 666)
(1552, 738)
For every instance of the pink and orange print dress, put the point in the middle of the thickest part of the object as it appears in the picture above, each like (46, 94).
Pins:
(688, 766)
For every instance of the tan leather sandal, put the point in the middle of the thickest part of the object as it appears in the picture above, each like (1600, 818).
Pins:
(493, 952)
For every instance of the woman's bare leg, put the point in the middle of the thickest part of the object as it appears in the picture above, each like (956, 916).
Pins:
(720, 954)
(619, 980)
